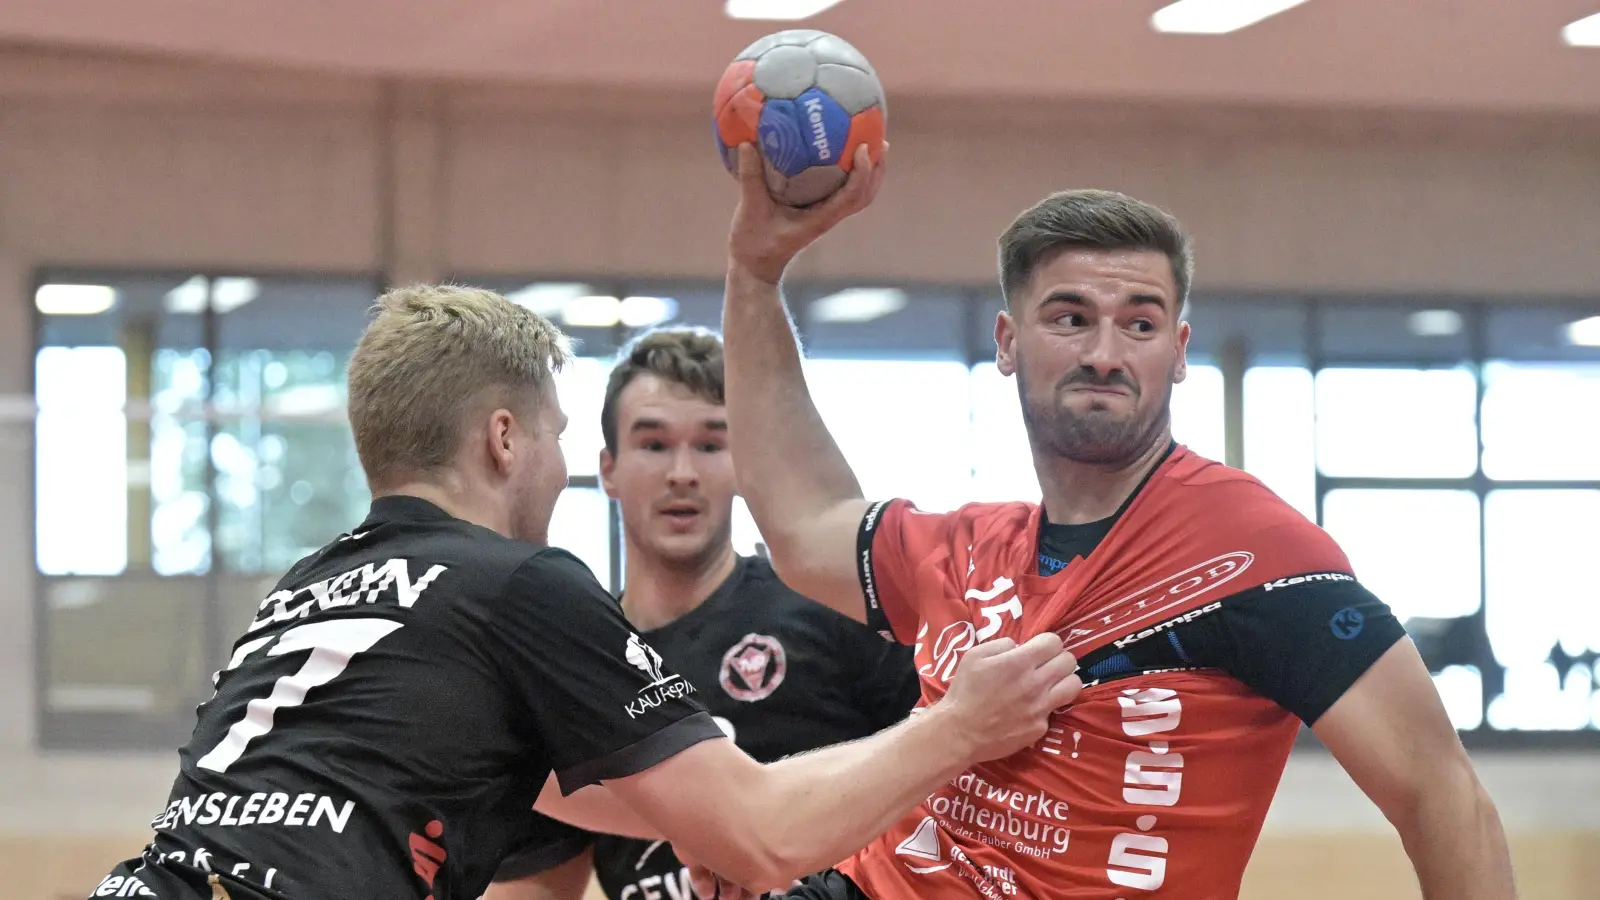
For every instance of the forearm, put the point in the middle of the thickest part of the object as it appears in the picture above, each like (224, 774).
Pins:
(789, 466)
(808, 812)
(1457, 845)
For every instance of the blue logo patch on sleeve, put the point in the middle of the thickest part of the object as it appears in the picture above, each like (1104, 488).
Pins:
(1347, 623)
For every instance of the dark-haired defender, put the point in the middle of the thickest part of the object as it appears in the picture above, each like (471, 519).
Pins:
(1209, 617)
(781, 673)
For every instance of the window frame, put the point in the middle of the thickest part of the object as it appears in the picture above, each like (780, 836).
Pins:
(58, 730)
(1475, 314)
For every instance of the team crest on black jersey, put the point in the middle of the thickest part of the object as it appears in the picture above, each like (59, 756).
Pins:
(753, 668)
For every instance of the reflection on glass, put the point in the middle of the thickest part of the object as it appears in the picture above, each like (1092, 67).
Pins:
(745, 533)
(1461, 690)
(1538, 698)
(581, 388)
(1540, 547)
(288, 478)
(1002, 466)
(580, 525)
(1416, 550)
(1280, 433)
(180, 540)
(903, 425)
(1541, 421)
(81, 461)
(284, 488)
(1197, 418)
(1397, 423)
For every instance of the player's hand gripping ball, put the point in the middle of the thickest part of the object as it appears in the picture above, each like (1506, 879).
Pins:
(807, 99)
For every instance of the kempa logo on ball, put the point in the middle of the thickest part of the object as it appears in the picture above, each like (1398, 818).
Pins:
(753, 668)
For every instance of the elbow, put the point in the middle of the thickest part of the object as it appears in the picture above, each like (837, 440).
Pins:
(771, 859)
(778, 871)
(755, 869)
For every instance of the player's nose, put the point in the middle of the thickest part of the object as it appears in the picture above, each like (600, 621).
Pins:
(682, 471)
(1104, 351)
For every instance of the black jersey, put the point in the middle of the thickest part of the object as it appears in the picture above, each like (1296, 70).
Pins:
(782, 674)
(394, 710)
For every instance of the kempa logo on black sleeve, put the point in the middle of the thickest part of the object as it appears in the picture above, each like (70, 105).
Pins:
(1302, 579)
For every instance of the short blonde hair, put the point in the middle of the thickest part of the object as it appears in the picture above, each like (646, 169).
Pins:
(430, 355)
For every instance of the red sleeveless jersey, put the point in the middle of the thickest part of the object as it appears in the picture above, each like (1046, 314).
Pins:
(1152, 784)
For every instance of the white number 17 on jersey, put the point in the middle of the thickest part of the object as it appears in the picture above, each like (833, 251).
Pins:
(332, 644)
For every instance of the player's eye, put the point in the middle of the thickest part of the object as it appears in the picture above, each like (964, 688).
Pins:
(654, 446)
(711, 447)
(1144, 326)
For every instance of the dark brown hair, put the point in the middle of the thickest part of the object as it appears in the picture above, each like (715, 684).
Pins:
(691, 357)
(1094, 220)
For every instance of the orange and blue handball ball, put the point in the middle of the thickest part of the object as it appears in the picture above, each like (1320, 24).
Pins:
(807, 99)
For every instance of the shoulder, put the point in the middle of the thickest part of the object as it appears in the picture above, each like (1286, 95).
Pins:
(982, 520)
(1236, 505)
(552, 571)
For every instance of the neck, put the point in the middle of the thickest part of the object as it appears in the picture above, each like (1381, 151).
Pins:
(1076, 493)
(659, 592)
(453, 495)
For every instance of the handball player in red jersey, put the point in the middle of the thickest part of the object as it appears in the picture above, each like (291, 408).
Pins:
(1208, 617)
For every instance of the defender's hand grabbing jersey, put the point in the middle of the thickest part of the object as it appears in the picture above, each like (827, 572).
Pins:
(1207, 616)
(395, 709)
(783, 673)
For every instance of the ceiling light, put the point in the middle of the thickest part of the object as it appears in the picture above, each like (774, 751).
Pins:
(74, 299)
(858, 305)
(1584, 332)
(642, 312)
(228, 294)
(1216, 16)
(224, 294)
(776, 10)
(1583, 33)
(547, 298)
(1435, 322)
(188, 298)
(591, 312)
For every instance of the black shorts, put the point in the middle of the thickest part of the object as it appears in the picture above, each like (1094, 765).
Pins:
(137, 878)
(829, 884)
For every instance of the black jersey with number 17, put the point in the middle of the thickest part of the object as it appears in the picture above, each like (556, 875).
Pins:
(393, 711)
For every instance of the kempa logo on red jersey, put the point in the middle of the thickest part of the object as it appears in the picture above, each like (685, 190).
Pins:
(1189, 616)
(1148, 603)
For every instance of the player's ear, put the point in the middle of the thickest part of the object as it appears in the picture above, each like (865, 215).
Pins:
(608, 465)
(501, 440)
(1005, 343)
(1180, 367)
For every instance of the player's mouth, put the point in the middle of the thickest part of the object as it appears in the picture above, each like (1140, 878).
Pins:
(683, 516)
